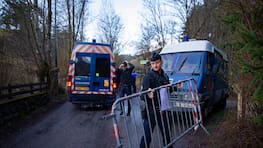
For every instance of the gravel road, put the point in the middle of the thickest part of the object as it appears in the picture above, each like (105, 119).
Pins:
(69, 127)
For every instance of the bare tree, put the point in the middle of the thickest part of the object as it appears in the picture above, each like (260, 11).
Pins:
(203, 25)
(157, 25)
(155, 20)
(182, 9)
(72, 17)
(30, 23)
(109, 25)
(147, 35)
(77, 16)
(29, 31)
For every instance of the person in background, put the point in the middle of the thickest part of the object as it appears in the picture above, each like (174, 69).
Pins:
(154, 78)
(124, 73)
(133, 77)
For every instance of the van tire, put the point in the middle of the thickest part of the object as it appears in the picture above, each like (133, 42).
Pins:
(77, 106)
(205, 112)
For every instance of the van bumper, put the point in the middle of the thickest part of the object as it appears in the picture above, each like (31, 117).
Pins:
(92, 99)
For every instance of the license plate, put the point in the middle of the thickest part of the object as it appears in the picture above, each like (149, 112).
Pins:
(81, 88)
(183, 104)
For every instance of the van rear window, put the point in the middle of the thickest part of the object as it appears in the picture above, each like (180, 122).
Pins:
(82, 66)
(102, 67)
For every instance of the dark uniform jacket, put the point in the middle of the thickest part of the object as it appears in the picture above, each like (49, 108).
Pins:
(152, 80)
(124, 77)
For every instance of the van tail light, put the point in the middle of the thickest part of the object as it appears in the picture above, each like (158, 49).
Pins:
(114, 85)
(69, 84)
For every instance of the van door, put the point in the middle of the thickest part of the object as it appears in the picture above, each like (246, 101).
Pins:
(102, 73)
(82, 71)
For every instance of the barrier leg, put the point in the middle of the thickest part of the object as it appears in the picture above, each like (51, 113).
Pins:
(116, 131)
(206, 131)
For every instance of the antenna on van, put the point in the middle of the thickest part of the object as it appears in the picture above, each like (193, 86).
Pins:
(209, 35)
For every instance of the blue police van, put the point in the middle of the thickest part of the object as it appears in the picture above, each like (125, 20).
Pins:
(201, 60)
(91, 75)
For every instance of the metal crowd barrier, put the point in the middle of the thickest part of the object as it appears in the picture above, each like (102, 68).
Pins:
(177, 112)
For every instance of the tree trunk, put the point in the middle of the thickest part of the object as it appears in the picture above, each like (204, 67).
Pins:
(73, 21)
(52, 72)
(69, 27)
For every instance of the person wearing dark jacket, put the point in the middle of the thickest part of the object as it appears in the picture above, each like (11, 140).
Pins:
(154, 78)
(125, 82)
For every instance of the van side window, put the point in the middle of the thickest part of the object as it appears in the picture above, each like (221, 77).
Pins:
(220, 62)
(208, 62)
(226, 71)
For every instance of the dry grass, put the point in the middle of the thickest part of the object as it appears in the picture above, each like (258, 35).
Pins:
(233, 133)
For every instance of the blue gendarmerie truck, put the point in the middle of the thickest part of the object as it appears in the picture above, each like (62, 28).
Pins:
(91, 75)
(201, 60)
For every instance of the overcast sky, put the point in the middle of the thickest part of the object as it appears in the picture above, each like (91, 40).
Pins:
(129, 11)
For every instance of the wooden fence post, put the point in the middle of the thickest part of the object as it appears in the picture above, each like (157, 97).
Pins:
(238, 91)
(9, 91)
(239, 105)
(31, 89)
(40, 87)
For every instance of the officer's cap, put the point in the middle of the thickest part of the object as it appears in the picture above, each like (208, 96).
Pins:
(155, 57)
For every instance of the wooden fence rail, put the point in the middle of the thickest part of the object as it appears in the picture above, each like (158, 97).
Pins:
(13, 92)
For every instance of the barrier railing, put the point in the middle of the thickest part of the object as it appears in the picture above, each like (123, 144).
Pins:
(173, 108)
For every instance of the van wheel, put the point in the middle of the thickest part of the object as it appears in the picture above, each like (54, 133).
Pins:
(77, 106)
(205, 112)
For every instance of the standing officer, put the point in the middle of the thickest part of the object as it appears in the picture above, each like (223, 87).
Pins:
(125, 82)
(154, 78)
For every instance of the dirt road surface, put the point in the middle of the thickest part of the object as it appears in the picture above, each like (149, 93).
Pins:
(66, 127)
(69, 127)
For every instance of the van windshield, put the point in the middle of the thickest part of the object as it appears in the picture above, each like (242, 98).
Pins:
(183, 62)
(82, 66)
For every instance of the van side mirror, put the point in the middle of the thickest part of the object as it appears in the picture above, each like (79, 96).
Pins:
(71, 62)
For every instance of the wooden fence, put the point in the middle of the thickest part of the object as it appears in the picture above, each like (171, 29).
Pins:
(12, 93)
